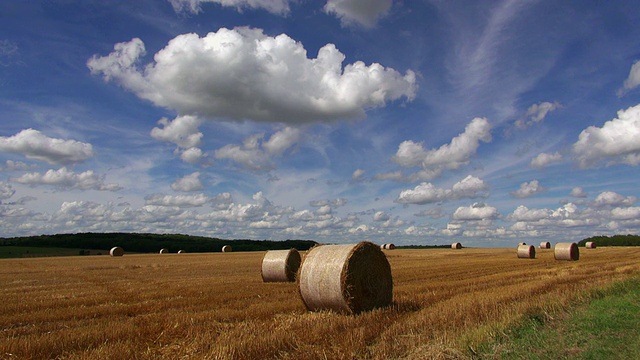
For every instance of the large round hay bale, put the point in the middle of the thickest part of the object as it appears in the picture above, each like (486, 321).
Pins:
(545, 245)
(590, 245)
(164, 251)
(226, 248)
(566, 251)
(280, 265)
(456, 245)
(526, 252)
(346, 278)
(116, 251)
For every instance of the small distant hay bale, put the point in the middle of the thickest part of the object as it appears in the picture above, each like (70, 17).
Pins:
(346, 278)
(566, 251)
(522, 243)
(388, 246)
(456, 245)
(116, 251)
(545, 245)
(280, 265)
(164, 251)
(590, 245)
(526, 252)
(226, 248)
(180, 251)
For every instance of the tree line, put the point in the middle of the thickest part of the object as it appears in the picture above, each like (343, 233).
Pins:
(615, 240)
(150, 243)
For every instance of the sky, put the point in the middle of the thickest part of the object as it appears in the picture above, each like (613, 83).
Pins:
(409, 122)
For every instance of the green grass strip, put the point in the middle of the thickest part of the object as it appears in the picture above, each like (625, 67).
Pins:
(607, 327)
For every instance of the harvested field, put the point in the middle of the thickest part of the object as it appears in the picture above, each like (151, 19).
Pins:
(216, 305)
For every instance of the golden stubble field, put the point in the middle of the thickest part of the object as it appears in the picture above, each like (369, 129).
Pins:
(215, 305)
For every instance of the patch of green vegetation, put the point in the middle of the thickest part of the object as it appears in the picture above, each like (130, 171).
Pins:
(607, 327)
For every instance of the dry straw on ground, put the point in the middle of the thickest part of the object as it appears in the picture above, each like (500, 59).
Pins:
(566, 251)
(346, 278)
(590, 245)
(116, 251)
(226, 248)
(545, 245)
(456, 245)
(526, 252)
(280, 265)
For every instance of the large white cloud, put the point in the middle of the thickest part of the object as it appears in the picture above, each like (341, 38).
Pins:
(426, 193)
(244, 74)
(616, 142)
(448, 156)
(35, 145)
(67, 179)
(610, 198)
(362, 12)
(279, 7)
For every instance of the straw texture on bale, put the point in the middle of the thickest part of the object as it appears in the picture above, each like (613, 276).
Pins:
(226, 248)
(280, 265)
(456, 245)
(346, 278)
(526, 252)
(590, 245)
(545, 245)
(164, 251)
(566, 251)
(116, 251)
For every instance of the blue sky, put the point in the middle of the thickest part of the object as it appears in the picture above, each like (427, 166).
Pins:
(406, 122)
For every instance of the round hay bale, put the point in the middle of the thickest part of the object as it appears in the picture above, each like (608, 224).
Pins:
(180, 251)
(280, 265)
(526, 252)
(383, 246)
(389, 246)
(522, 243)
(456, 245)
(226, 248)
(545, 245)
(346, 278)
(590, 245)
(164, 251)
(566, 251)
(116, 251)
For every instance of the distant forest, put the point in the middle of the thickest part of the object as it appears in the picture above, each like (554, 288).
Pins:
(150, 243)
(615, 240)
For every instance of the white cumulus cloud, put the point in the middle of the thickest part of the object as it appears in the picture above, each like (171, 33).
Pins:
(616, 142)
(244, 74)
(610, 198)
(477, 211)
(536, 113)
(67, 179)
(544, 159)
(36, 146)
(425, 193)
(448, 156)
(632, 81)
(188, 183)
(528, 189)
